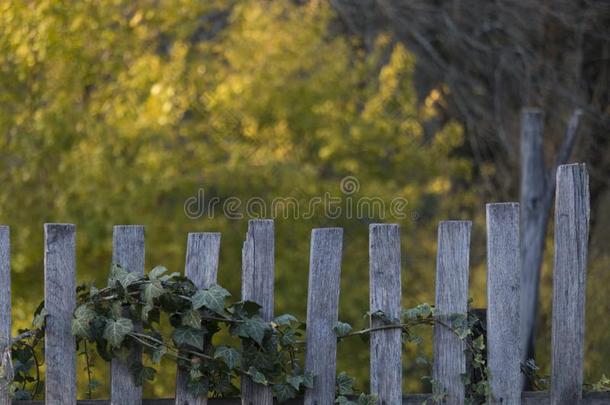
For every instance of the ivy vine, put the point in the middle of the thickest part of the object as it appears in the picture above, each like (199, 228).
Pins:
(126, 314)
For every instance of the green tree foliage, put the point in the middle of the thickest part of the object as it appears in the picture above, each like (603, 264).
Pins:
(118, 112)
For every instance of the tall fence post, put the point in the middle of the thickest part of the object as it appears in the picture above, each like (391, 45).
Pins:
(503, 302)
(569, 283)
(322, 313)
(60, 302)
(202, 268)
(258, 262)
(452, 268)
(5, 311)
(534, 217)
(385, 295)
(127, 252)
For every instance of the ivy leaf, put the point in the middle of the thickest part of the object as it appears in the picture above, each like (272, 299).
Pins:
(308, 379)
(345, 384)
(295, 381)
(157, 354)
(142, 373)
(115, 331)
(479, 343)
(257, 376)
(198, 388)
(230, 356)
(284, 392)
(250, 308)
(341, 400)
(213, 298)
(40, 318)
(122, 276)
(152, 290)
(364, 399)
(169, 276)
(189, 336)
(421, 311)
(81, 322)
(284, 319)
(342, 329)
(192, 318)
(253, 328)
(155, 273)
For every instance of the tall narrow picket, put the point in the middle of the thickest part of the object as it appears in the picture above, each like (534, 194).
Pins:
(59, 303)
(127, 252)
(503, 302)
(385, 295)
(258, 262)
(5, 311)
(534, 216)
(322, 313)
(452, 268)
(201, 267)
(569, 282)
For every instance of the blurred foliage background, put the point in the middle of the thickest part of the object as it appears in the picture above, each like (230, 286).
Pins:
(117, 112)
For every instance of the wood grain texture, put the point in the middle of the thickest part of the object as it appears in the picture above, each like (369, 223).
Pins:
(258, 268)
(5, 308)
(452, 269)
(60, 302)
(527, 398)
(127, 252)
(534, 217)
(202, 251)
(385, 295)
(569, 283)
(322, 313)
(503, 302)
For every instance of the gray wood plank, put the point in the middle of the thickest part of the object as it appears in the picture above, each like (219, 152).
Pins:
(5, 310)
(503, 302)
(452, 269)
(385, 295)
(128, 252)
(322, 313)
(535, 211)
(60, 302)
(569, 283)
(202, 268)
(527, 398)
(258, 263)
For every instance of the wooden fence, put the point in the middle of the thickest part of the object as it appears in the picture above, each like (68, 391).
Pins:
(503, 296)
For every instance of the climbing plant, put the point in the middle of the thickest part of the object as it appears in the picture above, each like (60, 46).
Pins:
(129, 313)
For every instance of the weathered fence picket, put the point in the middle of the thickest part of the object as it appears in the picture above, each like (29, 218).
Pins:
(202, 250)
(5, 307)
(503, 277)
(127, 252)
(504, 342)
(385, 295)
(534, 215)
(258, 263)
(322, 313)
(452, 269)
(60, 302)
(569, 282)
